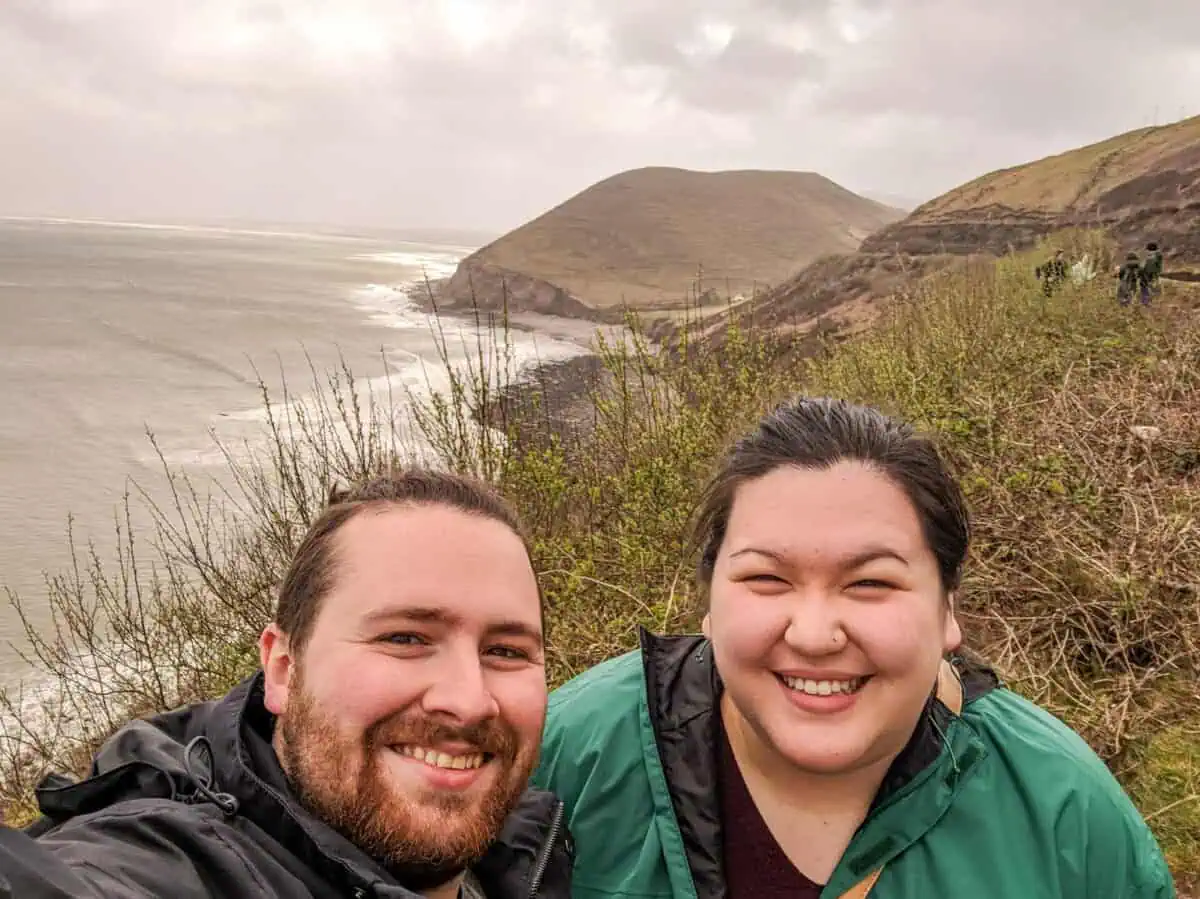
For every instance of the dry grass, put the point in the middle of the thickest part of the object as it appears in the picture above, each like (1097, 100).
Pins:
(1082, 586)
(1072, 179)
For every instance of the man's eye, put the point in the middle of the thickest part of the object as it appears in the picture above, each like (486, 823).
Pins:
(403, 639)
(509, 652)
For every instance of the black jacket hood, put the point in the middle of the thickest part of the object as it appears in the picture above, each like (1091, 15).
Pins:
(219, 752)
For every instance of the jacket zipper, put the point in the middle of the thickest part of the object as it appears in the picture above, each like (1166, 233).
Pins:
(543, 861)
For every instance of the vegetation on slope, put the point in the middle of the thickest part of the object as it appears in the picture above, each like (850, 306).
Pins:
(1077, 178)
(1082, 585)
(1138, 187)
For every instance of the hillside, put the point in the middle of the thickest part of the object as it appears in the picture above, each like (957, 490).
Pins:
(642, 238)
(1139, 186)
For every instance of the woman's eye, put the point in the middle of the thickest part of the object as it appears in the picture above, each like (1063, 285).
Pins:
(762, 579)
(869, 584)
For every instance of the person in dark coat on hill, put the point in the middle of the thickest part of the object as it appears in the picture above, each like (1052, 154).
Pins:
(383, 750)
(1129, 276)
(1151, 273)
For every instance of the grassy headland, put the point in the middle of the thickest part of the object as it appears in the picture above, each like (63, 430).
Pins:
(651, 238)
(1074, 425)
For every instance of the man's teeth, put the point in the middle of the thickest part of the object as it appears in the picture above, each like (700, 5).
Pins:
(823, 687)
(442, 759)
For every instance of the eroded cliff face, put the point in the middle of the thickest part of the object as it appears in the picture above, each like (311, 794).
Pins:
(1162, 205)
(1137, 190)
(491, 288)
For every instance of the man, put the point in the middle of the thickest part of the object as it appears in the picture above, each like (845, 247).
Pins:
(1052, 273)
(1151, 273)
(383, 750)
(1129, 276)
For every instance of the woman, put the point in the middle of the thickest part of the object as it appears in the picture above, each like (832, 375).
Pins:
(814, 742)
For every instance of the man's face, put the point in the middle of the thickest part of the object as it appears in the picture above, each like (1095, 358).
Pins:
(411, 719)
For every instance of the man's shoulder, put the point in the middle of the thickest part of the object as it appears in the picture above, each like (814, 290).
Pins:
(137, 848)
(150, 846)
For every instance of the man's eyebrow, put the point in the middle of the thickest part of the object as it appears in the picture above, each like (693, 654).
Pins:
(517, 629)
(423, 615)
(856, 560)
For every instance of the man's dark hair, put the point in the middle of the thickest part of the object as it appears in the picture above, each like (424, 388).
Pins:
(818, 434)
(1152, 247)
(310, 575)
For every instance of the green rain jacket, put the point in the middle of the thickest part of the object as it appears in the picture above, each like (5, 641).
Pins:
(1002, 801)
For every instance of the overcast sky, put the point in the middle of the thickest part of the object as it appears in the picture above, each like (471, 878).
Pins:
(483, 113)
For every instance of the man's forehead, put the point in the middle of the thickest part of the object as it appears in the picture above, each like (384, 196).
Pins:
(419, 533)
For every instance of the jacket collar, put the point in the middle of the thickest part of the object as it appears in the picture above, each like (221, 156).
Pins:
(683, 690)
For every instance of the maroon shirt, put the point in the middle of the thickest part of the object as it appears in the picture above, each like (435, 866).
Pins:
(755, 865)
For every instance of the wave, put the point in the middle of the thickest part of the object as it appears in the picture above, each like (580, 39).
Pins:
(409, 375)
(434, 265)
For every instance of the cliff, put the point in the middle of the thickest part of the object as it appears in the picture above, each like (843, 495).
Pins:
(1139, 186)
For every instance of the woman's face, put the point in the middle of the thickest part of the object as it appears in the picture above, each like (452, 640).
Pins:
(827, 617)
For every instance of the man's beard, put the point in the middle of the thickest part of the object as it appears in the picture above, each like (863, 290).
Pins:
(424, 841)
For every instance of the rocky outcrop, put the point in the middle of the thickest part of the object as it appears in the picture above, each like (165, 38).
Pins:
(490, 288)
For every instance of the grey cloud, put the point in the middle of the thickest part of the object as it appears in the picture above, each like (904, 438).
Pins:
(751, 73)
(373, 112)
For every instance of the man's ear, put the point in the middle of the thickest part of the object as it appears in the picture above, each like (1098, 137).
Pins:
(275, 655)
(706, 625)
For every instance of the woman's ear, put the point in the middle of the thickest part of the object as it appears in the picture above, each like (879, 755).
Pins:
(951, 632)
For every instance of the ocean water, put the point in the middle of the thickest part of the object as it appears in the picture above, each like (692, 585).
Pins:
(110, 330)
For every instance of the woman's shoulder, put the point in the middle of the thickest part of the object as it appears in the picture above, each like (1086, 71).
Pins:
(1031, 739)
(1042, 776)
(1037, 755)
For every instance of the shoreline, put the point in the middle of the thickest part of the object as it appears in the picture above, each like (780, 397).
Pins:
(549, 396)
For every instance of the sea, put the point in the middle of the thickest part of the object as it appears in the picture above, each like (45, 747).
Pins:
(111, 332)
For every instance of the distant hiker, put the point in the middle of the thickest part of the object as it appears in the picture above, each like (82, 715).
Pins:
(1052, 273)
(1129, 276)
(1151, 273)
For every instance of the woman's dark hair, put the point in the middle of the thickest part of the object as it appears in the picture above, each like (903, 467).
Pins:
(818, 433)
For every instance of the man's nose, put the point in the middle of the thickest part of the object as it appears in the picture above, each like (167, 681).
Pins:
(459, 689)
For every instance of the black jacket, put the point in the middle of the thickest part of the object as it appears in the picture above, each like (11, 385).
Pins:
(192, 804)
